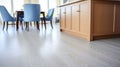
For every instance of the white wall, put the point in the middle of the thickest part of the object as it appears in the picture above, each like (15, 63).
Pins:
(35, 1)
(31, 1)
(27, 1)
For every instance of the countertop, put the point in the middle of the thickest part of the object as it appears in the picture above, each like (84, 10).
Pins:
(71, 2)
(83, 0)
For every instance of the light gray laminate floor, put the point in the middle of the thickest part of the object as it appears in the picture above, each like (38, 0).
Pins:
(51, 48)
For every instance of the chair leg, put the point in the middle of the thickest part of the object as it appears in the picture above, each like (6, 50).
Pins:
(3, 25)
(6, 26)
(26, 23)
(17, 25)
(21, 23)
(37, 25)
(51, 24)
(28, 26)
(42, 23)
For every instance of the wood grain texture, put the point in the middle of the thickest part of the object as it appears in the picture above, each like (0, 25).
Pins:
(92, 18)
(84, 18)
(68, 17)
(75, 17)
(103, 18)
(117, 24)
(63, 17)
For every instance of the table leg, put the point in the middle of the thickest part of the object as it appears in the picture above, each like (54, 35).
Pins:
(37, 25)
(44, 20)
(17, 22)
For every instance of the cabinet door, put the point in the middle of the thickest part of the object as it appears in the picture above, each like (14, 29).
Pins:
(62, 18)
(68, 17)
(103, 18)
(75, 17)
(84, 18)
(117, 22)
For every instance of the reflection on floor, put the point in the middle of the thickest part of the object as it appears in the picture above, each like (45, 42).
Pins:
(52, 48)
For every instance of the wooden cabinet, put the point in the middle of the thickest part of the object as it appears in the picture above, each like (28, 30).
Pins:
(117, 19)
(63, 18)
(75, 17)
(91, 19)
(106, 20)
(103, 18)
(68, 17)
(84, 27)
(81, 19)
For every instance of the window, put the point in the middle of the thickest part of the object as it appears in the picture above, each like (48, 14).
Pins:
(18, 5)
(52, 4)
(7, 4)
(12, 5)
(44, 5)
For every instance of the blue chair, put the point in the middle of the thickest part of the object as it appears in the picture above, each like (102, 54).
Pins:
(32, 14)
(49, 16)
(6, 17)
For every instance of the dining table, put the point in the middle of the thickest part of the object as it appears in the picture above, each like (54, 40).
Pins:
(18, 13)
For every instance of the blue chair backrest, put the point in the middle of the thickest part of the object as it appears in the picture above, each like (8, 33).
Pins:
(31, 12)
(50, 14)
(5, 14)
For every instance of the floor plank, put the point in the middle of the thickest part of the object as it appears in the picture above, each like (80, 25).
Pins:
(52, 48)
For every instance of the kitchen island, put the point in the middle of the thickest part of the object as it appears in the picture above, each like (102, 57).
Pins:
(91, 19)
